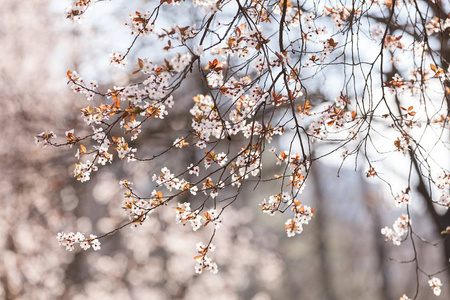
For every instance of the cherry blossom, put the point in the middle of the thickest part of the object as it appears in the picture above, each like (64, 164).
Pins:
(118, 59)
(398, 230)
(44, 138)
(69, 240)
(202, 261)
(435, 284)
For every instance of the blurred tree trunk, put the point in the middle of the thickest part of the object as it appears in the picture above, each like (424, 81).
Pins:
(325, 272)
(384, 289)
(441, 221)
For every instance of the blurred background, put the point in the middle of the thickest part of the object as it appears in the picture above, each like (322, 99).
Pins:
(340, 255)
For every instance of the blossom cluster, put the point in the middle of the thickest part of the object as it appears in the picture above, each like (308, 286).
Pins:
(140, 23)
(180, 34)
(418, 79)
(299, 168)
(215, 77)
(275, 202)
(333, 118)
(170, 181)
(403, 197)
(77, 9)
(137, 210)
(435, 284)
(185, 215)
(78, 85)
(244, 41)
(43, 138)
(118, 59)
(155, 89)
(398, 230)
(69, 240)
(302, 213)
(71, 138)
(340, 15)
(212, 216)
(392, 42)
(211, 158)
(247, 162)
(82, 171)
(291, 12)
(207, 6)
(436, 25)
(206, 121)
(203, 262)
(97, 115)
(213, 189)
(443, 184)
(403, 144)
(260, 64)
(133, 127)
(246, 104)
(124, 150)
